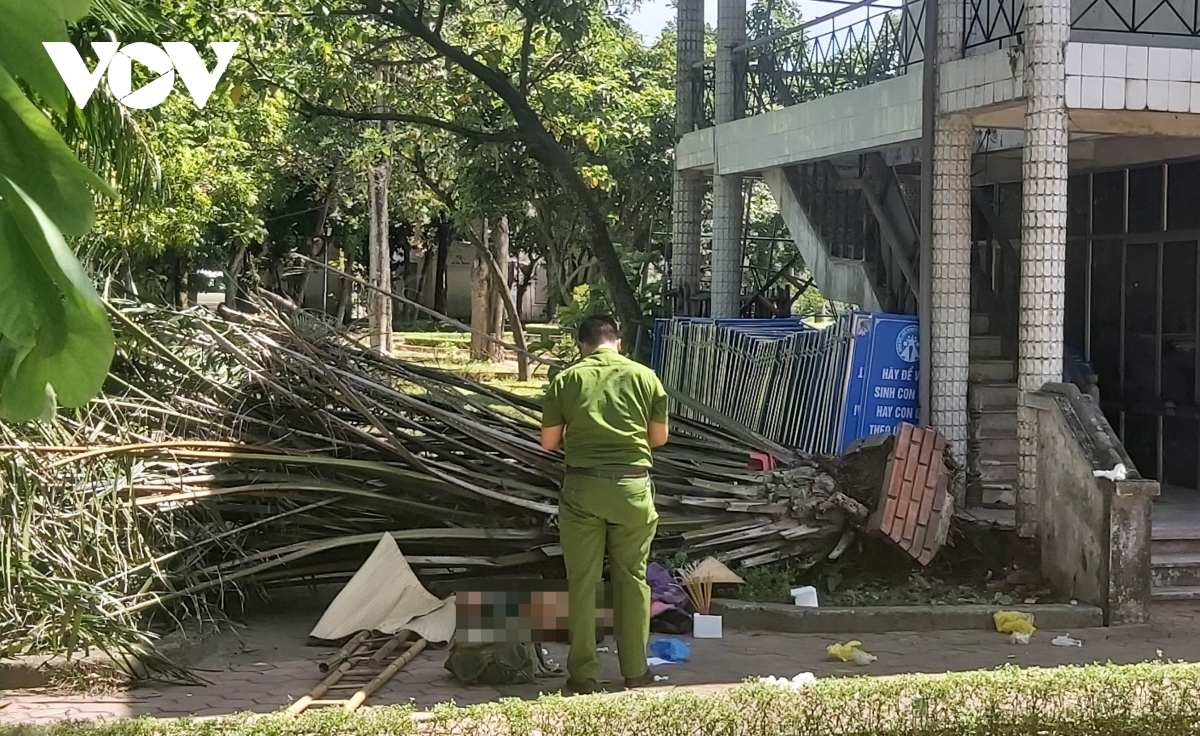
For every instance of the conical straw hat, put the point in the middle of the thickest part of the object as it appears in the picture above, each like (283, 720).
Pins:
(712, 569)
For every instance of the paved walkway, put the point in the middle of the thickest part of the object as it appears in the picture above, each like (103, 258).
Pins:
(266, 666)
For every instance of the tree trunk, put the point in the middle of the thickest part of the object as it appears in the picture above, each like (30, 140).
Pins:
(232, 273)
(544, 148)
(445, 236)
(481, 289)
(497, 262)
(427, 280)
(498, 243)
(379, 304)
(317, 242)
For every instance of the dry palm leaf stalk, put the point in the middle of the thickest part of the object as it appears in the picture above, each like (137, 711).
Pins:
(233, 451)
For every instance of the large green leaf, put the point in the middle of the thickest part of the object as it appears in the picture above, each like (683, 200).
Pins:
(34, 156)
(55, 339)
(75, 10)
(25, 26)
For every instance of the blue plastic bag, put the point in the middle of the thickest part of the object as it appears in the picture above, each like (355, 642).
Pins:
(672, 650)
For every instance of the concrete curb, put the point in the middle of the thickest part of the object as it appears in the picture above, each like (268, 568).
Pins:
(784, 618)
(183, 647)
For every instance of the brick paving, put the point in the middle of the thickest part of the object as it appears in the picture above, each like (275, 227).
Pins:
(267, 667)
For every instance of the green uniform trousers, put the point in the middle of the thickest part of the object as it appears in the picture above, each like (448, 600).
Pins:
(596, 514)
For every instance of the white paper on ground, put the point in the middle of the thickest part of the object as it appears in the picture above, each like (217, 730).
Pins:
(656, 662)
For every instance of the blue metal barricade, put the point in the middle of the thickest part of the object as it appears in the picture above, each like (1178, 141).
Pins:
(816, 390)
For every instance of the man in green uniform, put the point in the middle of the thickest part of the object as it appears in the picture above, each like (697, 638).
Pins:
(606, 412)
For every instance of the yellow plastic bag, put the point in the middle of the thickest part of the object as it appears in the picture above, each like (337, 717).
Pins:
(851, 651)
(1014, 622)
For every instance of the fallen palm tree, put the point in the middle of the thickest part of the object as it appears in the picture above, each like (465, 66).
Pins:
(241, 450)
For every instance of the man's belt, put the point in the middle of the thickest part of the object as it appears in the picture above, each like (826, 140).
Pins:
(610, 473)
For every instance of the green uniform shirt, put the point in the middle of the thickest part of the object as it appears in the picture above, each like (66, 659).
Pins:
(606, 402)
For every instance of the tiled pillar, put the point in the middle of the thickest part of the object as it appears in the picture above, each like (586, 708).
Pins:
(730, 96)
(950, 290)
(951, 286)
(688, 190)
(1043, 231)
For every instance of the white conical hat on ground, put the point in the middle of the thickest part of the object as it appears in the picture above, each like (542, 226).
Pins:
(710, 569)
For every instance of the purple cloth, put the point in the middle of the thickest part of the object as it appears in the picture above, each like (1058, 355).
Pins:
(664, 590)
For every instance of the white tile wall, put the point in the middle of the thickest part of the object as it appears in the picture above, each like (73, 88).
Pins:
(1137, 60)
(1114, 93)
(1181, 96)
(1118, 77)
(1114, 60)
(1181, 65)
(1158, 93)
(1074, 58)
(1073, 91)
(1159, 66)
(1135, 94)
(1093, 58)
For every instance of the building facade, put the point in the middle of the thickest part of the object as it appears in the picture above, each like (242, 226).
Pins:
(1065, 216)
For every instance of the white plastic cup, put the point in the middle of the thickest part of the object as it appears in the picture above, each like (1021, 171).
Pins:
(805, 597)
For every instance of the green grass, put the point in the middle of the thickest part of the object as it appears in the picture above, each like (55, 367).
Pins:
(1149, 699)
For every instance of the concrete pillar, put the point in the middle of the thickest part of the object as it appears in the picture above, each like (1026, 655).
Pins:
(1043, 231)
(950, 290)
(730, 104)
(688, 191)
(951, 285)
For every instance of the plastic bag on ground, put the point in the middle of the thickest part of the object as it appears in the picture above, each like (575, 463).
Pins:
(797, 683)
(1066, 641)
(851, 651)
(1018, 638)
(672, 650)
(1013, 622)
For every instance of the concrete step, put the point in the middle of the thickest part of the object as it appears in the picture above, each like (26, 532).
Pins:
(998, 495)
(985, 347)
(981, 323)
(993, 425)
(1005, 449)
(1175, 570)
(993, 371)
(991, 472)
(984, 396)
(1174, 542)
(1182, 593)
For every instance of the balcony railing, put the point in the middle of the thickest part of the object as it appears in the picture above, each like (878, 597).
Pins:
(860, 44)
(871, 40)
(992, 24)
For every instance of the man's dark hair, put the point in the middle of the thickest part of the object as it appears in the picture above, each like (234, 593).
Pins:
(597, 330)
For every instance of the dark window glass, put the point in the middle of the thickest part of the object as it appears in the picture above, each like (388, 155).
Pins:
(1141, 321)
(1141, 442)
(1106, 318)
(1145, 200)
(1183, 196)
(979, 227)
(1108, 203)
(1076, 293)
(1179, 451)
(1178, 363)
(1078, 202)
(1008, 211)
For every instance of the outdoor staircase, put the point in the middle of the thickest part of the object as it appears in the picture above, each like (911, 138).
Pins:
(852, 220)
(992, 453)
(1175, 564)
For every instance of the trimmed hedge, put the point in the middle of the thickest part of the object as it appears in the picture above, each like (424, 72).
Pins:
(1141, 700)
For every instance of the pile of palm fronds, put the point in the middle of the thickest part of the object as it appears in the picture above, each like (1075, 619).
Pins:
(233, 450)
